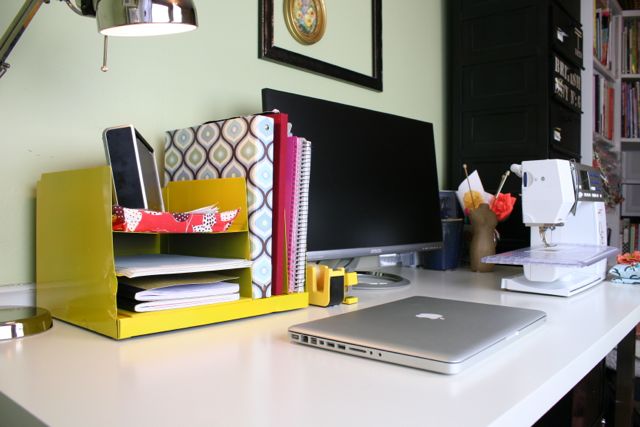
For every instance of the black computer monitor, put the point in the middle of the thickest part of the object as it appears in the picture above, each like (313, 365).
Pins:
(374, 183)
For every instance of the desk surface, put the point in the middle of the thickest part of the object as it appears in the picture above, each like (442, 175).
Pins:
(246, 372)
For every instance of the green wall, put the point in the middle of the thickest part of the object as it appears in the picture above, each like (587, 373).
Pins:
(54, 101)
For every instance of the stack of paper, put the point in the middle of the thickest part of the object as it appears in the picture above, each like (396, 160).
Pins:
(141, 307)
(157, 264)
(152, 293)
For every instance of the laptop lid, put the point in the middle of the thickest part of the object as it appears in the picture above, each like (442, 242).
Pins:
(428, 333)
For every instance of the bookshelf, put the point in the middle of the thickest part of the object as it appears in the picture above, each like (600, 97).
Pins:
(616, 72)
(606, 115)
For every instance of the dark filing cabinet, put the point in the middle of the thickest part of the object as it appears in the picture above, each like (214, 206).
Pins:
(515, 91)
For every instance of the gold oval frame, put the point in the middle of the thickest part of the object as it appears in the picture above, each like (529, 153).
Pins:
(291, 9)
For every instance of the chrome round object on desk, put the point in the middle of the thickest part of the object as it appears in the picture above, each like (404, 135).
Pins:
(18, 322)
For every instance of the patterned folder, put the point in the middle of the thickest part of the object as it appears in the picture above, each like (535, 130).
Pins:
(240, 146)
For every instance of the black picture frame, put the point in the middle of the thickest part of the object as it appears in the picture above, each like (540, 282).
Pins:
(268, 50)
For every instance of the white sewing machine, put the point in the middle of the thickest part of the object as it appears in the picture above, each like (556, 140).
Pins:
(563, 204)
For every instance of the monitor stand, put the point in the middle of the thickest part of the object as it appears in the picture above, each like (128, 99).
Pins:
(380, 280)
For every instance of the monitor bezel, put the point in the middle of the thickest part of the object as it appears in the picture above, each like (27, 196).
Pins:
(372, 251)
(342, 253)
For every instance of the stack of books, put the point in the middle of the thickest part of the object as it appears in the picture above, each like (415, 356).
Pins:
(630, 236)
(276, 165)
(602, 36)
(292, 172)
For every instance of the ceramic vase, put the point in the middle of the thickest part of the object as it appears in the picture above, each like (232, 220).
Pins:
(483, 241)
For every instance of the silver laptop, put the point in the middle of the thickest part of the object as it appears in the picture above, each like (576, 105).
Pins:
(427, 333)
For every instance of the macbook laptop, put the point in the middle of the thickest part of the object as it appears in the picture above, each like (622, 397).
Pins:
(435, 334)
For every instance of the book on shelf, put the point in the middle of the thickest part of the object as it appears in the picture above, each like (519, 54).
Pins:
(624, 227)
(630, 94)
(630, 235)
(233, 147)
(604, 98)
(630, 45)
(601, 35)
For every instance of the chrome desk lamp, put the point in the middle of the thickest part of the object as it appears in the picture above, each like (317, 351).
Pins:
(127, 18)
(115, 18)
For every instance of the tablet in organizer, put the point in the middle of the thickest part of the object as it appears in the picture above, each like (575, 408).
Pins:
(434, 334)
(133, 167)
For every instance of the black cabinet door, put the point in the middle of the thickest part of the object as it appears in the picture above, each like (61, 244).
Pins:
(504, 107)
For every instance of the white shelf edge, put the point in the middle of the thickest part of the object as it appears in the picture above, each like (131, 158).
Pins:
(631, 13)
(614, 5)
(604, 71)
(630, 76)
(630, 145)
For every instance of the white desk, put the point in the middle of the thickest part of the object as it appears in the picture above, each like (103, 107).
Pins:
(246, 373)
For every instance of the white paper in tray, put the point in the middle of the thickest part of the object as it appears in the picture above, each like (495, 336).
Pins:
(569, 255)
(156, 264)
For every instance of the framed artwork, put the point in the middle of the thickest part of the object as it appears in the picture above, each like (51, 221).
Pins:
(342, 40)
(306, 20)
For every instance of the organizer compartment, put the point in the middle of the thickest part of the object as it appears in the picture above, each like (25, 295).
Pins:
(75, 249)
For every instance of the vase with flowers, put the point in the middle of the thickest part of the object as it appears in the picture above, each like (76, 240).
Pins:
(485, 211)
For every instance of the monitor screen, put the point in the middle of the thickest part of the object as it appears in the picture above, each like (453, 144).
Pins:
(374, 184)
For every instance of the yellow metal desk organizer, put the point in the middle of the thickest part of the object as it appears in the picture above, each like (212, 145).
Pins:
(75, 249)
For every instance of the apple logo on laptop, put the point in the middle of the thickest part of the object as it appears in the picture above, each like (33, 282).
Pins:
(431, 316)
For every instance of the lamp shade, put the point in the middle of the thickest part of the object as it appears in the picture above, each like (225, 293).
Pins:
(131, 18)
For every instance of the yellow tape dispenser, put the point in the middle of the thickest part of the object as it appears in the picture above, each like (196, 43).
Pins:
(327, 286)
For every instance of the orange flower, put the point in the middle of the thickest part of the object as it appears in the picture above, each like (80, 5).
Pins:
(502, 205)
(472, 199)
(629, 258)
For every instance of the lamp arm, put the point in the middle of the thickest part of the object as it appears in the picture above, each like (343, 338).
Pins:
(23, 19)
(15, 30)
(119, 13)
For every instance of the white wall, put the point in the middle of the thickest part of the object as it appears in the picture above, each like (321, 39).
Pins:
(54, 101)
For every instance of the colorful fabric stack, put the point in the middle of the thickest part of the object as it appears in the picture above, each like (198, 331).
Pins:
(627, 270)
(146, 221)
